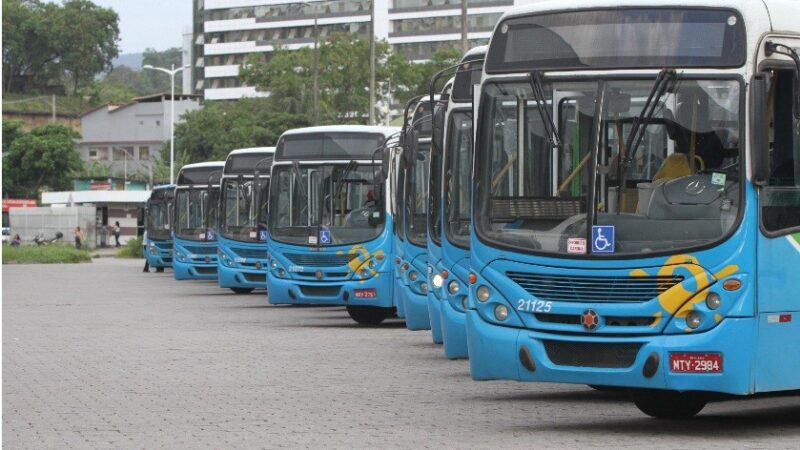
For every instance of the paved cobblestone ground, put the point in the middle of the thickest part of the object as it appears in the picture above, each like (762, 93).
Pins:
(103, 356)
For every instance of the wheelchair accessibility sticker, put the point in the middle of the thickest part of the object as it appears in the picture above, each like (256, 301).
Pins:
(324, 237)
(603, 239)
(210, 235)
(262, 235)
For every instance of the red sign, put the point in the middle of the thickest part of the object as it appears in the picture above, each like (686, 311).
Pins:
(100, 186)
(695, 362)
(9, 203)
(365, 293)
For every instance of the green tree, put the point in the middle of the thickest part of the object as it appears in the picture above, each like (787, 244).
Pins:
(157, 81)
(12, 129)
(44, 158)
(88, 37)
(29, 44)
(411, 79)
(210, 133)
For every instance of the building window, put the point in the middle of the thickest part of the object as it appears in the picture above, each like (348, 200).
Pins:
(440, 4)
(98, 154)
(123, 153)
(442, 25)
(418, 51)
(292, 11)
(144, 153)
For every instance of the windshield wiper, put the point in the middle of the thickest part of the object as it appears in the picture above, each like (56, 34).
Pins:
(348, 169)
(299, 179)
(537, 87)
(665, 81)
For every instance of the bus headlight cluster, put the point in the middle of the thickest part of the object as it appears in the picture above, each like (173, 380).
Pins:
(226, 260)
(713, 301)
(153, 249)
(482, 293)
(273, 264)
(693, 319)
(437, 281)
(180, 256)
(501, 312)
(453, 287)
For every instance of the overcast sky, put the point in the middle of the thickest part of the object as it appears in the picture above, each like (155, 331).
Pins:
(157, 24)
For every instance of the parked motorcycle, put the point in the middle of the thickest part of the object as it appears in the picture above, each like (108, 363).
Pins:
(39, 239)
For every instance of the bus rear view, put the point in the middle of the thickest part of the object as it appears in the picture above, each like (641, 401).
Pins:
(329, 223)
(195, 221)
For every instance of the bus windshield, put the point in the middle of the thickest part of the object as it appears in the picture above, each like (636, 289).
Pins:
(674, 186)
(416, 196)
(339, 197)
(158, 226)
(195, 209)
(240, 207)
(457, 178)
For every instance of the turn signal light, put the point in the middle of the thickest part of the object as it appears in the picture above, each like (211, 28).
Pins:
(732, 284)
(379, 256)
(473, 278)
(445, 274)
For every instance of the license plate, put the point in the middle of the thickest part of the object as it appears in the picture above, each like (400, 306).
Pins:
(365, 293)
(695, 362)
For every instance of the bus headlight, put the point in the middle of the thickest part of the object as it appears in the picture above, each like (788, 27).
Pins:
(465, 303)
(501, 312)
(453, 287)
(226, 260)
(693, 319)
(273, 264)
(371, 264)
(281, 273)
(437, 281)
(482, 293)
(180, 256)
(423, 287)
(412, 275)
(713, 301)
(153, 249)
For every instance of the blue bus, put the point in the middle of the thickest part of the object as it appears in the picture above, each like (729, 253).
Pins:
(416, 162)
(195, 221)
(636, 204)
(456, 185)
(158, 230)
(242, 238)
(330, 227)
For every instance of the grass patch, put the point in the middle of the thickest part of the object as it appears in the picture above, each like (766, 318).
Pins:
(132, 249)
(45, 254)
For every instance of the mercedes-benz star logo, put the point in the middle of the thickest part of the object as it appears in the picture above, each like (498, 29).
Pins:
(695, 187)
(319, 274)
(590, 320)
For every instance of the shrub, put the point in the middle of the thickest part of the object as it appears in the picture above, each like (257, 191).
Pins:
(132, 249)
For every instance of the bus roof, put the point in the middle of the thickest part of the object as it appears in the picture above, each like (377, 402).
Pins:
(203, 164)
(372, 129)
(164, 187)
(244, 151)
(473, 52)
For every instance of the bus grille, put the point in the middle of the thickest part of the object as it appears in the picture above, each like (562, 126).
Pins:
(320, 260)
(206, 270)
(163, 245)
(319, 291)
(260, 253)
(571, 288)
(585, 354)
(198, 250)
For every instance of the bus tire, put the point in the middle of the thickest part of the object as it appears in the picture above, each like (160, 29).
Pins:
(159, 269)
(242, 290)
(671, 405)
(368, 315)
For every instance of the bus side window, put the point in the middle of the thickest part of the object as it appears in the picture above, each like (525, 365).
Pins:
(780, 199)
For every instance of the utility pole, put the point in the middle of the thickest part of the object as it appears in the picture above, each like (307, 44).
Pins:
(372, 62)
(315, 68)
(464, 41)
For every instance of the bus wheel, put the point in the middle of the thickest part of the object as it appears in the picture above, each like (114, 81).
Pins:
(668, 404)
(242, 290)
(159, 269)
(368, 315)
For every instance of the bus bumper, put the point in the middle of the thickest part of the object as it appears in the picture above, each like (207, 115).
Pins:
(497, 352)
(416, 309)
(286, 291)
(191, 271)
(157, 260)
(454, 333)
(435, 317)
(232, 277)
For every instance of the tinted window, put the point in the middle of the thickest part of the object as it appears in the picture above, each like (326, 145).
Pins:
(245, 164)
(329, 146)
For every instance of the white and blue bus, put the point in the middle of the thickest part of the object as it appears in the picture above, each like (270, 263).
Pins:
(195, 221)
(450, 275)
(330, 227)
(636, 204)
(242, 238)
(158, 227)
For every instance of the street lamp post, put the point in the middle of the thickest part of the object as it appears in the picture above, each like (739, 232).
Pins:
(171, 74)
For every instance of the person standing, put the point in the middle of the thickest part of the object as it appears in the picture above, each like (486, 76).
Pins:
(116, 230)
(78, 237)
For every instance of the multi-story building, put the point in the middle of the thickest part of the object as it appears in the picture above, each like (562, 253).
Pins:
(227, 31)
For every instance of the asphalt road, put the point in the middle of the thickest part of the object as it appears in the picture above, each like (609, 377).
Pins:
(103, 356)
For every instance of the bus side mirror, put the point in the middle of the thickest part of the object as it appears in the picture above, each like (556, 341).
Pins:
(386, 161)
(437, 137)
(759, 135)
(410, 149)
